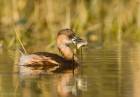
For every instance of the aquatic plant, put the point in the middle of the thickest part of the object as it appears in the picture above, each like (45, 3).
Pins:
(39, 20)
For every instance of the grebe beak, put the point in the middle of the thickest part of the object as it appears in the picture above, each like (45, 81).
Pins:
(79, 42)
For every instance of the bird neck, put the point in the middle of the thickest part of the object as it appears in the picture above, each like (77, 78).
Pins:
(66, 52)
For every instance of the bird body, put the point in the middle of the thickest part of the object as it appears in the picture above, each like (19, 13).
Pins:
(45, 62)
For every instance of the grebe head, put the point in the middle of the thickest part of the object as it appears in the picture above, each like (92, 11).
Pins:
(66, 37)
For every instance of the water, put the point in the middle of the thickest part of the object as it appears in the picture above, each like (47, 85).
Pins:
(106, 72)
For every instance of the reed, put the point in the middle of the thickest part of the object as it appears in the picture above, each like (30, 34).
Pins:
(39, 20)
(19, 40)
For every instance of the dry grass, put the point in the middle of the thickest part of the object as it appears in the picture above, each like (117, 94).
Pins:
(39, 20)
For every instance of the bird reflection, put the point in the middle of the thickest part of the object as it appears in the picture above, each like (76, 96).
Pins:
(68, 85)
(60, 85)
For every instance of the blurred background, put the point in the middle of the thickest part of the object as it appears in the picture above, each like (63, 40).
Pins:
(37, 21)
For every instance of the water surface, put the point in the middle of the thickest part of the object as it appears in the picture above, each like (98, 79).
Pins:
(105, 72)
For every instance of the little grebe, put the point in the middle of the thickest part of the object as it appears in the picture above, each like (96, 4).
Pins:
(44, 62)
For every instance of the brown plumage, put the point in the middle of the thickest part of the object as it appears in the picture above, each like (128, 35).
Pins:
(45, 62)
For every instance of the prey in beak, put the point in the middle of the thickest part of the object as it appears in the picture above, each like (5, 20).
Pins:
(79, 42)
(68, 37)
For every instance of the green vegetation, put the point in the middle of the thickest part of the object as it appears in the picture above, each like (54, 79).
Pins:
(38, 21)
